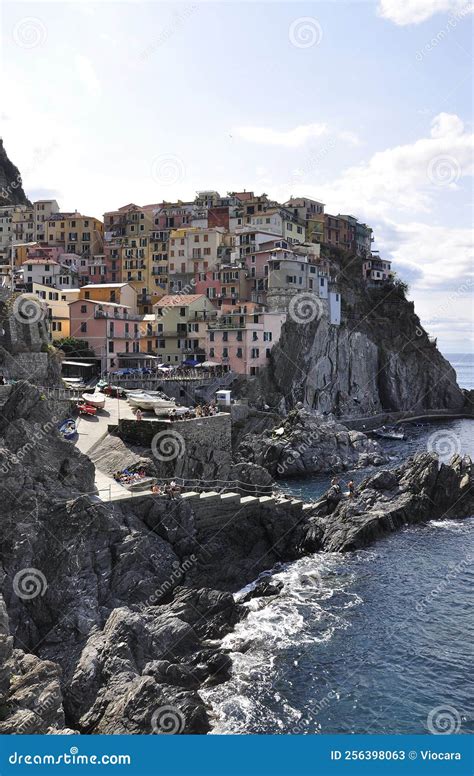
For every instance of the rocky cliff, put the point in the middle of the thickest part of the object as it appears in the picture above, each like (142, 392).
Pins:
(111, 613)
(11, 187)
(378, 359)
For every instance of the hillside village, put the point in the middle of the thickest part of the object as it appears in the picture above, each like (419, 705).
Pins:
(185, 283)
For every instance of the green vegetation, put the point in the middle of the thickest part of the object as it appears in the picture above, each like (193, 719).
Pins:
(74, 347)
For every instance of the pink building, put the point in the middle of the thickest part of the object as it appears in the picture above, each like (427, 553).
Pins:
(242, 337)
(223, 285)
(109, 329)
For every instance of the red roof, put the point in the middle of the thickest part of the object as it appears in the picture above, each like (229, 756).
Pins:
(178, 300)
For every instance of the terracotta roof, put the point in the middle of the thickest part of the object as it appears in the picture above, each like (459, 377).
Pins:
(178, 300)
(39, 261)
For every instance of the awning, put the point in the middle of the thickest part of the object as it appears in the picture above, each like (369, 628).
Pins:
(190, 362)
(75, 363)
(210, 363)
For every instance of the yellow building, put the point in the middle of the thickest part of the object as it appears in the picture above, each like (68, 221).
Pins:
(149, 334)
(74, 233)
(127, 242)
(181, 329)
(116, 293)
(57, 302)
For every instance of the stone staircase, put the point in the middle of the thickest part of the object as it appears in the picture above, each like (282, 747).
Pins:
(212, 508)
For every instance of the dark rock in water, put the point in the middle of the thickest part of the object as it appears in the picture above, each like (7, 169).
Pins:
(384, 480)
(118, 609)
(263, 589)
(306, 444)
(420, 489)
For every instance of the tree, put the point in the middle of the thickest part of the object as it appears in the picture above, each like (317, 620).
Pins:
(74, 347)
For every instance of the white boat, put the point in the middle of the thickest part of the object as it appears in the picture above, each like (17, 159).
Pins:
(146, 401)
(162, 409)
(95, 399)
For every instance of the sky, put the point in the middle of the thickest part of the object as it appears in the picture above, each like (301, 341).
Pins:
(365, 106)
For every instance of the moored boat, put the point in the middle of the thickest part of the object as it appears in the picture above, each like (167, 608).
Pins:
(95, 399)
(389, 433)
(163, 409)
(68, 429)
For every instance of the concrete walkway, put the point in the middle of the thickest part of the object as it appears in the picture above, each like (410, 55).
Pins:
(91, 430)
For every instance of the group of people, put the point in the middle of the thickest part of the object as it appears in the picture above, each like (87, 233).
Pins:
(170, 489)
(127, 477)
(206, 410)
(337, 488)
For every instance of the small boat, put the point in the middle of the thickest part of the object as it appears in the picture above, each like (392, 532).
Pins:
(86, 409)
(96, 399)
(68, 429)
(146, 401)
(163, 408)
(389, 433)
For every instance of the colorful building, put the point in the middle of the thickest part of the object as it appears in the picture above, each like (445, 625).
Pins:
(110, 330)
(242, 337)
(182, 321)
(377, 270)
(119, 293)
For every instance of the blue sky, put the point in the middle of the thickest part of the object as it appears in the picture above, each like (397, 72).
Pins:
(364, 105)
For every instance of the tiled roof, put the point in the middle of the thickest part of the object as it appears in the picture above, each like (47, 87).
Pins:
(178, 300)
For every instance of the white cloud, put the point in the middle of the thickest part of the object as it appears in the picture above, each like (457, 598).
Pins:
(349, 137)
(441, 255)
(88, 76)
(406, 178)
(404, 12)
(292, 138)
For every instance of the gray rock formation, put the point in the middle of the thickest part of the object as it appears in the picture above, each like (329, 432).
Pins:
(421, 489)
(378, 359)
(11, 187)
(305, 444)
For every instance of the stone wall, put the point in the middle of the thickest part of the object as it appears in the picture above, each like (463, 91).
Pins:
(34, 367)
(213, 432)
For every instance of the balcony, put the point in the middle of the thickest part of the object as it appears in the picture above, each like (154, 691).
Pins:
(144, 299)
(226, 325)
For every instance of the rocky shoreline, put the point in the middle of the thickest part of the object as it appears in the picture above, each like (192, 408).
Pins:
(304, 444)
(112, 616)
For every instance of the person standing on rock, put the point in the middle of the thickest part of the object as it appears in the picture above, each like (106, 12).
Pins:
(351, 487)
(138, 415)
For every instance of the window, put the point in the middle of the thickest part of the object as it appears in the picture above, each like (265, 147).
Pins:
(196, 238)
(83, 308)
(225, 336)
(87, 294)
(267, 353)
(111, 347)
(84, 326)
(182, 312)
(254, 336)
(239, 352)
(211, 352)
(255, 353)
(225, 352)
(267, 336)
